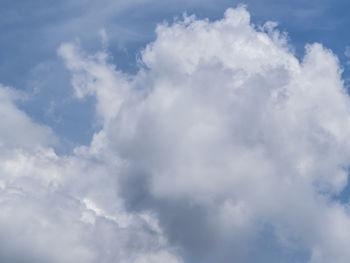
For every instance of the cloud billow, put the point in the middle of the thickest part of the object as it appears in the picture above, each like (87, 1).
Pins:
(221, 134)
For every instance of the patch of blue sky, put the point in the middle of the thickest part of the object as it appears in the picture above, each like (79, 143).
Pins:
(270, 250)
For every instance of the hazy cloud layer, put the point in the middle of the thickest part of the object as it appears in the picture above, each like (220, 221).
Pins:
(221, 139)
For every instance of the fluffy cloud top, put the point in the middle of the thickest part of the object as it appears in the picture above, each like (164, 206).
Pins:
(222, 134)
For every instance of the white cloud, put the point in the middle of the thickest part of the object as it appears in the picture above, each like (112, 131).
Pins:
(65, 208)
(17, 129)
(221, 133)
(224, 131)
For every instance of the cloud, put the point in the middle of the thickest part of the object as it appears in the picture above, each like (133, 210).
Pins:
(17, 129)
(222, 132)
(65, 208)
(221, 139)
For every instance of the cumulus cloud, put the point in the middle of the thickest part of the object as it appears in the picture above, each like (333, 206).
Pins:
(221, 135)
(65, 208)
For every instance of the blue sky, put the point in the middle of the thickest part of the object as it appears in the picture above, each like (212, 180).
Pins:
(133, 132)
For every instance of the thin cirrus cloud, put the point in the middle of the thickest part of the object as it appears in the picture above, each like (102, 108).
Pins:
(221, 135)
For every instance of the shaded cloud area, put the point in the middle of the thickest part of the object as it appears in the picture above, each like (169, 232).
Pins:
(222, 147)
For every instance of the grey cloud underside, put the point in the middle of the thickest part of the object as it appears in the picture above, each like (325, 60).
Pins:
(221, 142)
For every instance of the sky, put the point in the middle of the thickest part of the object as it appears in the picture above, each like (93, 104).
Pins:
(147, 131)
